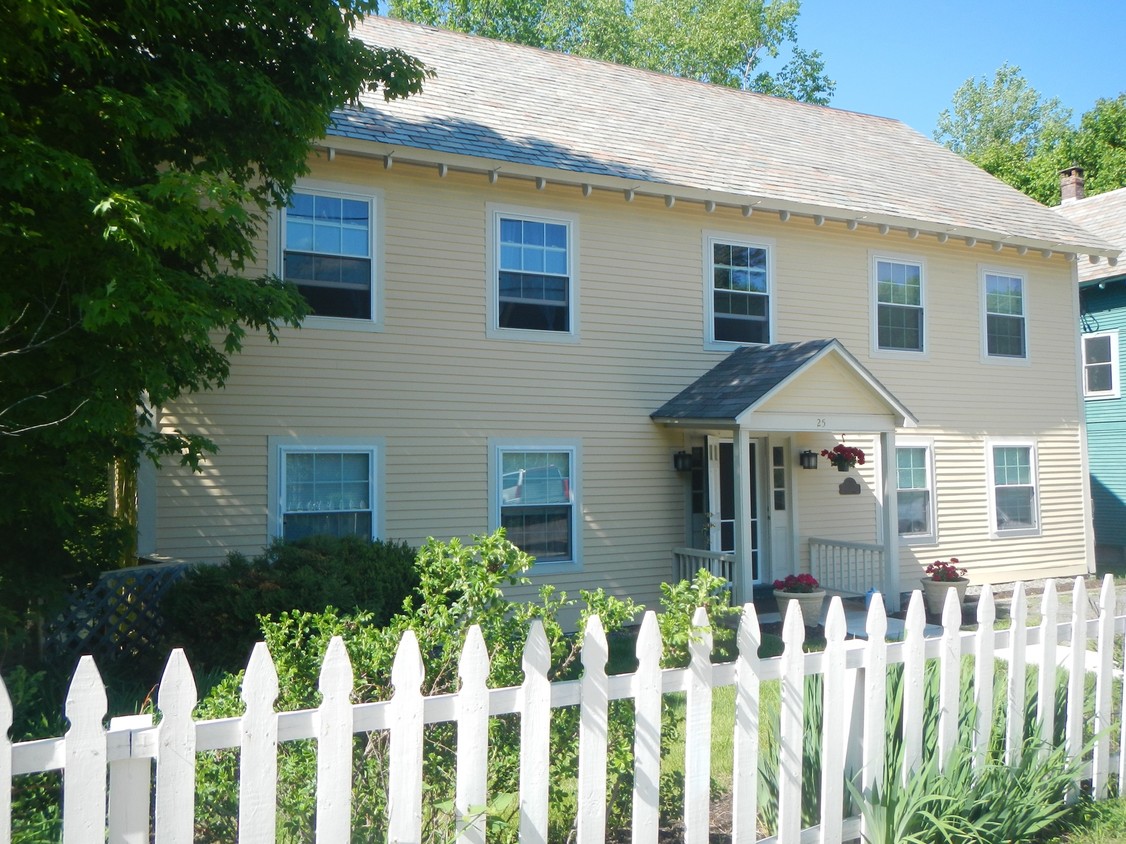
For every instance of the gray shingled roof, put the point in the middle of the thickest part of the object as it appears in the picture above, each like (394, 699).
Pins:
(1105, 215)
(748, 375)
(506, 103)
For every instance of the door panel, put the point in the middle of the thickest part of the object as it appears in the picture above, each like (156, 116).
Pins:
(722, 488)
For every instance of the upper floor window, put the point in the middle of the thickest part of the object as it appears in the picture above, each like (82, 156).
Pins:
(324, 487)
(327, 252)
(534, 489)
(1005, 323)
(915, 493)
(899, 304)
(1014, 509)
(533, 279)
(1100, 365)
(738, 285)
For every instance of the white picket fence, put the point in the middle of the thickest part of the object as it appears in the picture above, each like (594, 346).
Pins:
(118, 767)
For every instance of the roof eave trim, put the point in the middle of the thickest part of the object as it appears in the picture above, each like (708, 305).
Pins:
(756, 203)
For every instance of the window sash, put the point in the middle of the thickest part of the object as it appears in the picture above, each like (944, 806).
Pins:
(899, 305)
(327, 491)
(1004, 316)
(536, 506)
(533, 274)
(1014, 489)
(1100, 365)
(327, 252)
(740, 294)
(914, 493)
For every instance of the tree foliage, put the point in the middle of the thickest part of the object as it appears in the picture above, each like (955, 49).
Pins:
(721, 41)
(1006, 127)
(141, 144)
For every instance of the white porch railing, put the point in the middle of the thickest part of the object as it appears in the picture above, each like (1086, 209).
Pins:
(849, 568)
(141, 757)
(688, 561)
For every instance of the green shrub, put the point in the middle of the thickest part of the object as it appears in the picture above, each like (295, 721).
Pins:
(460, 585)
(213, 611)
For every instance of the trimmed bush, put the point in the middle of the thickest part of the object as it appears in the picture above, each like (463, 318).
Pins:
(213, 611)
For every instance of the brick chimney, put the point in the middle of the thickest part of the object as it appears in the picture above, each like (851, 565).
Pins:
(1071, 184)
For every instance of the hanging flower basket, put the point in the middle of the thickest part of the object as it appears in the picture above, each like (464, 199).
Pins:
(844, 457)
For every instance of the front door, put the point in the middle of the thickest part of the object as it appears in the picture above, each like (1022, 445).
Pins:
(721, 498)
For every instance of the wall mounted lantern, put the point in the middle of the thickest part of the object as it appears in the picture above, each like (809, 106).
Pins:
(808, 459)
(682, 461)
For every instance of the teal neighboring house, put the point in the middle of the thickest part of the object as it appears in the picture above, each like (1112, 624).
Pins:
(1102, 300)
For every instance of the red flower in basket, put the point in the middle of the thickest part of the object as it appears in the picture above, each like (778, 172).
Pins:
(946, 572)
(797, 583)
(844, 455)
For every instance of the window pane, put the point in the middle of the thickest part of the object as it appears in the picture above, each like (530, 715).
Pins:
(1005, 335)
(300, 206)
(327, 492)
(1014, 508)
(1100, 379)
(1096, 349)
(536, 506)
(555, 236)
(328, 254)
(354, 242)
(914, 512)
(900, 328)
(298, 235)
(741, 315)
(533, 233)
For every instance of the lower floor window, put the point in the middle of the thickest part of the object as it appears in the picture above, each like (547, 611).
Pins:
(1014, 489)
(914, 492)
(327, 492)
(536, 501)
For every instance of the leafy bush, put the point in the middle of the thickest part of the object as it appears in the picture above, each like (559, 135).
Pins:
(459, 585)
(213, 611)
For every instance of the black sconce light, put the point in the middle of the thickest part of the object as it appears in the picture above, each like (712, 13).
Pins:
(808, 459)
(682, 461)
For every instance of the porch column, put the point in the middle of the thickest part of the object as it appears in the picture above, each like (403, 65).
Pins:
(890, 520)
(741, 458)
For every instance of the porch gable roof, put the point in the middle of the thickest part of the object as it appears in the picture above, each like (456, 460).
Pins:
(752, 375)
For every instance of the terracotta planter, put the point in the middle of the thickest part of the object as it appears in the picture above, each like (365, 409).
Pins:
(810, 603)
(934, 592)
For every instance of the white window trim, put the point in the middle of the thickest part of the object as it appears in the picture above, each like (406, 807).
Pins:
(1115, 390)
(498, 445)
(1003, 360)
(275, 261)
(493, 214)
(921, 538)
(874, 257)
(279, 446)
(711, 237)
(1002, 442)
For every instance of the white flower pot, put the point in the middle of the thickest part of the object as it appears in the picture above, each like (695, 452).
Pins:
(934, 592)
(810, 603)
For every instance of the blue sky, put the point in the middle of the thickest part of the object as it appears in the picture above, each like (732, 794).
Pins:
(905, 58)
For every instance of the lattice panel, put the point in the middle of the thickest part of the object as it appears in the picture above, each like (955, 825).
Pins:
(118, 616)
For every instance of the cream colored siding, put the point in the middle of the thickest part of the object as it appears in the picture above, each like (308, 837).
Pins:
(435, 389)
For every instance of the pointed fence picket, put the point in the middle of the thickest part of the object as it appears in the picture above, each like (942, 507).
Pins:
(132, 755)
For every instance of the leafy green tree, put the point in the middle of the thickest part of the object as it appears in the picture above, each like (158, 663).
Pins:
(1009, 129)
(1100, 145)
(719, 41)
(1004, 111)
(141, 143)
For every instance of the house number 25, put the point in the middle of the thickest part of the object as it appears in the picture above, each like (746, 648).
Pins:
(821, 423)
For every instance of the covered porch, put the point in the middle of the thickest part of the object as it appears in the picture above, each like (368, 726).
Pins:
(751, 430)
